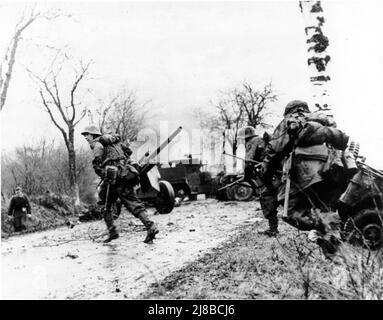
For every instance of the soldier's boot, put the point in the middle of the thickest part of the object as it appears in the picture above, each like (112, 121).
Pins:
(272, 231)
(151, 233)
(151, 227)
(113, 234)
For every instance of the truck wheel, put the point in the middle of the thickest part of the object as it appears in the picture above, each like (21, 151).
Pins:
(165, 199)
(243, 191)
(365, 229)
(182, 191)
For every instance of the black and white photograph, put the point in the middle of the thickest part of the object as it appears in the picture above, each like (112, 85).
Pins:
(199, 151)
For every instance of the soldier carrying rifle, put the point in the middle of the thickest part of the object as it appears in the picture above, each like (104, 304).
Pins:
(310, 147)
(255, 152)
(111, 162)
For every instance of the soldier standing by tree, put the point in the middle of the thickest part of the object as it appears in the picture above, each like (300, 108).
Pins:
(19, 207)
(111, 157)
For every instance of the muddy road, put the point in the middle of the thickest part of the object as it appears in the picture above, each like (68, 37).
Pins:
(74, 263)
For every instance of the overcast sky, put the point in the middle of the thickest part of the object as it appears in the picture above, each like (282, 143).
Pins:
(180, 54)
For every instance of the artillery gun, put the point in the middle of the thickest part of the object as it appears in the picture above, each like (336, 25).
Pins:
(152, 188)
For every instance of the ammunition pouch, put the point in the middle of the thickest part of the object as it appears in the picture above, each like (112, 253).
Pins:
(111, 173)
(129, 175)
(333, 168)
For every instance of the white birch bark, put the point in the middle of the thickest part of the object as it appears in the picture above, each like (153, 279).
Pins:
(318, 57)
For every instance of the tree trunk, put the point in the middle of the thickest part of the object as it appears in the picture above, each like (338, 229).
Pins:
(74, 190)
(223, 157)
(8, 74)
(317, 54)
(235, 147)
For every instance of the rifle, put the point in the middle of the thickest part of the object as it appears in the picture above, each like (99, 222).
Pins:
(248, 160)
(231, 184)
(238, 181)
(286, 176)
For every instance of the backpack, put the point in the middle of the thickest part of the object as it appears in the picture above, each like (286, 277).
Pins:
(126, 172)
(112, 139)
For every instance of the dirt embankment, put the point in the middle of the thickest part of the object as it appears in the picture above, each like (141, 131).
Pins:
(47, 212)
(254, 266)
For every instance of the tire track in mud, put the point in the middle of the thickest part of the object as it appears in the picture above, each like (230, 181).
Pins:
(68, 264)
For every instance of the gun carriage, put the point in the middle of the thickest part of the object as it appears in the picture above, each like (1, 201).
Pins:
(153, 189)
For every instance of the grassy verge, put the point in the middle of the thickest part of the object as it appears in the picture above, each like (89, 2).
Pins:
(253, 266)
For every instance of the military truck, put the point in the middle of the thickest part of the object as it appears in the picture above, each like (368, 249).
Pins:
(188, 177)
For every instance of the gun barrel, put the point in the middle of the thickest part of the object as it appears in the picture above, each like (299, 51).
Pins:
(231, 184)
(156, 152)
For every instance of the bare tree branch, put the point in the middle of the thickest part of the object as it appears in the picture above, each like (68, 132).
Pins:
(123, 115)
(52, 117)
(9, 59)
(76, 82)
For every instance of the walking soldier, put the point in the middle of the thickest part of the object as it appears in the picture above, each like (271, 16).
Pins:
(255, 150)
(19, 207)
(111, 162)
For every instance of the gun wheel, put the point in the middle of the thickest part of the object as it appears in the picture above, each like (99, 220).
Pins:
(365, 229)
(165, 199)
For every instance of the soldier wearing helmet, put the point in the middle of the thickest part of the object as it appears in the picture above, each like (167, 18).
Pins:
(296, 106)
(255, 150)
(310, 139)
(108, 150)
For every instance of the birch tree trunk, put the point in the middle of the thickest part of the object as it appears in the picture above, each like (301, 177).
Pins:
(317, 55)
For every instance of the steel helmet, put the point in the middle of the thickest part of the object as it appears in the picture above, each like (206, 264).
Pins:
(296, 105)
(91, 130)
(248, 132)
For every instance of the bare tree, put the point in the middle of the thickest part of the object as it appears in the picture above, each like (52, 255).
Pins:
(122, 114)
(65, 115)
(236, 108)
(39, 167)
(29, 16)
(231, 116)
(28, 168)
(255, 103)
